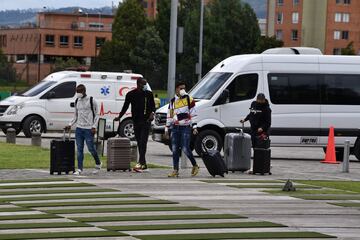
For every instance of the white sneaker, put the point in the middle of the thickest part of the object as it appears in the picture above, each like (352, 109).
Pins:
(97, 168)
(77, 172)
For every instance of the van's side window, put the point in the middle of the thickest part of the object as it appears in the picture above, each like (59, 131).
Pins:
(294, 88)
(341, 90)
(243, 87)
(65, 90)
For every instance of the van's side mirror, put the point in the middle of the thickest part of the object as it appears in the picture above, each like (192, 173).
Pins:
(223, 98)
(51, 95)
(72, 104)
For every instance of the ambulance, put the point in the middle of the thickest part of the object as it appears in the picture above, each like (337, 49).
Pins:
(49, 105)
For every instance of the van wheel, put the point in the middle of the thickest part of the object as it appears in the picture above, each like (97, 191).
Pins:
(127, 129)
(18, 130)
(210, 139)
(339, 152)
(356, 149)
(33, 124)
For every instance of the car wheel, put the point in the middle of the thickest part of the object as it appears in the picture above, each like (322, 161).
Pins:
(127, 129)
(209, 139)
(33, 124)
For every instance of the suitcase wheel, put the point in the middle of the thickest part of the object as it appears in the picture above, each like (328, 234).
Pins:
(51, 173)
(270, 173)
(232, 171)
(59, 173)
(108, 170)
(222, 175)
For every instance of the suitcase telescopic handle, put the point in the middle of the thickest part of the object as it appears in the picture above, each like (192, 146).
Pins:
(64, 135)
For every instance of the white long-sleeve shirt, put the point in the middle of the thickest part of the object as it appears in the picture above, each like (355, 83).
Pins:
(83, 115)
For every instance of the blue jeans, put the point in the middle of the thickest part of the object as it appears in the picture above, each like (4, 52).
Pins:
(180, 140)
(86, 135)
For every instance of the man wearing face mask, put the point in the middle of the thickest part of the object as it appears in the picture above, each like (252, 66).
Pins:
(142, 113)
(180, 122)
(86, 119)
(260, 117)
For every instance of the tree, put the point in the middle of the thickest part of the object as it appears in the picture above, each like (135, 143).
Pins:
(230, 28)
(349, 50)
(149, 56)
(7, 71)
(129, 21)
(266, 42)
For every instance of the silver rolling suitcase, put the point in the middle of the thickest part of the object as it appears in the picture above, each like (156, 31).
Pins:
(237, 151)
(118, 154)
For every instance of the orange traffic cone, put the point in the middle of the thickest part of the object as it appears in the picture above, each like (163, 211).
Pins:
(330, 156)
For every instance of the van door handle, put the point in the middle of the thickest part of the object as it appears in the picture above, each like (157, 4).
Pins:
(216, 110)
(72, 104)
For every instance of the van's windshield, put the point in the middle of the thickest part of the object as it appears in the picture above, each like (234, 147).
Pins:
(38, 88)
(209, 85)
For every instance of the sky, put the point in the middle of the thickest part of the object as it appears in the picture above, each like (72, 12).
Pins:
(25, 4)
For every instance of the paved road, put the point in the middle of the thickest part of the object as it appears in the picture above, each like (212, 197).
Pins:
(288, 163)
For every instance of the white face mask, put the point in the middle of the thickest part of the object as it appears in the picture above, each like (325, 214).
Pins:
(79, 95)
(182, 92)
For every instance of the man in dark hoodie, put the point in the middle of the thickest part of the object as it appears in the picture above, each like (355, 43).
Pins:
(260, 118)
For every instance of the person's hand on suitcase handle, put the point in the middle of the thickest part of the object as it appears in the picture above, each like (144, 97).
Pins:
(67, 128)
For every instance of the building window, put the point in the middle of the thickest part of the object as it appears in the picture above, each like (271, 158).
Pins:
(295, 17)
(279, 34)
(96, 25)
(346, 17)
(345, 35)
(294, 35)
(82, 25)
(347, 2)
(78, 41)
(64, 41)
(338, 1)
(280, 2)
(100, 41)
(280, 18)
(338, 17)
(295, 2)
(49, 40)
(337, 35)
(3, 41)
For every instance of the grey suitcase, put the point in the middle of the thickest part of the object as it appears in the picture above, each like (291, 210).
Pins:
(237, 151)
(118, 154)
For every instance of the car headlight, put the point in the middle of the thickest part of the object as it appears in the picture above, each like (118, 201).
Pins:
(14, 109)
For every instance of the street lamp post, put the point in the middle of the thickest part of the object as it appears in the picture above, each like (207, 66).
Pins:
(201, 38)
(172, 49)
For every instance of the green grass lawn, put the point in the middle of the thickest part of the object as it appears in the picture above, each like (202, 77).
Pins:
(30, 157)
(352, 186)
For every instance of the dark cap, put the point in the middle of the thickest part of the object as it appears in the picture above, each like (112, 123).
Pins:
(260, 96)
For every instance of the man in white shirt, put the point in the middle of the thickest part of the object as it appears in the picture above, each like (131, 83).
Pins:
(86, 119)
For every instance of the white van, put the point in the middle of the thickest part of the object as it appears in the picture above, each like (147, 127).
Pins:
(49, 105)
(307, 95)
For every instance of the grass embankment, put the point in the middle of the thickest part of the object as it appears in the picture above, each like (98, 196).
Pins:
(30, 157)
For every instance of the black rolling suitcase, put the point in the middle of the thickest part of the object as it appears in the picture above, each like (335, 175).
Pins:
(262, 161)
(214, 163)
(62, 155)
